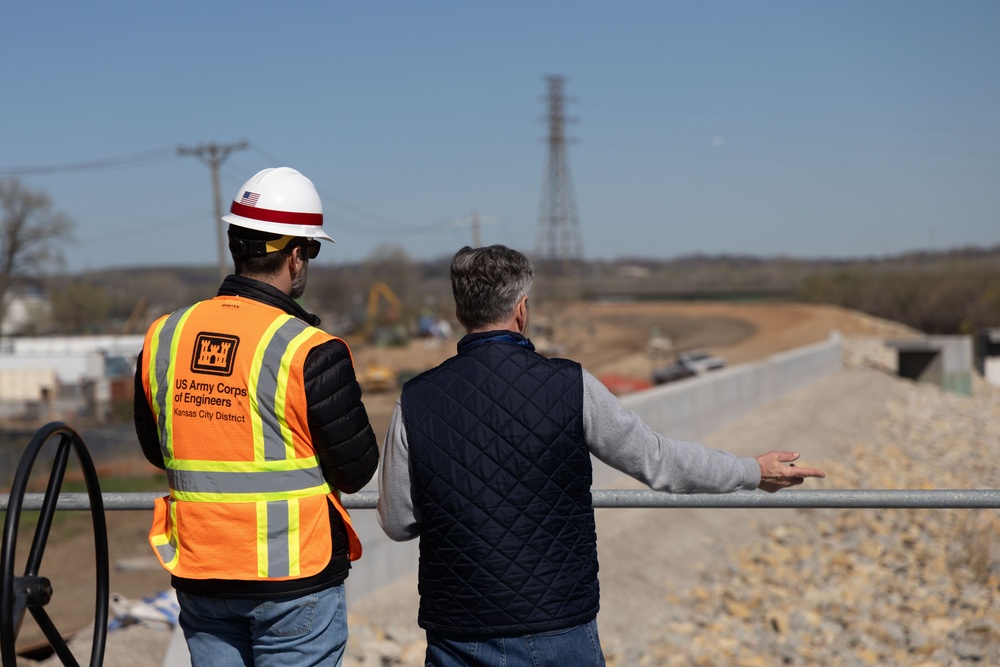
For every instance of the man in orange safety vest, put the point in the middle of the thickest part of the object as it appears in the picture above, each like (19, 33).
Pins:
(256, 416)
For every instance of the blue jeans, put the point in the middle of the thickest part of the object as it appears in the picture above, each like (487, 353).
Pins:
(578, 646)
(304, 630)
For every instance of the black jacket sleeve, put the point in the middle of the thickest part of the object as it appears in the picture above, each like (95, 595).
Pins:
(338, 421)
(145, 421)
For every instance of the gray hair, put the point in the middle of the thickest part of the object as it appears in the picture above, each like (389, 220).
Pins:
(488, 283)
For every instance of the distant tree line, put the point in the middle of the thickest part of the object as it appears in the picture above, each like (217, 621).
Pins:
(949, 293)
(127, 300)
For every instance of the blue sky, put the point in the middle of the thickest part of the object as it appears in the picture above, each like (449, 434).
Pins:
(805, 129)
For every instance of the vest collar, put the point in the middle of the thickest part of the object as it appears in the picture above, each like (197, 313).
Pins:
(498, 336)
(257, 290)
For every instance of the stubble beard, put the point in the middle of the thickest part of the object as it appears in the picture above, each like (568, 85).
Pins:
(299, 282)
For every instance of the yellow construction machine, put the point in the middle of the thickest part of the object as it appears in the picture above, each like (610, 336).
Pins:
(380, 289)
(373, 376)
(376, 378)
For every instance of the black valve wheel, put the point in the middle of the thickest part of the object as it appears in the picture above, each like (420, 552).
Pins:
(32, 592)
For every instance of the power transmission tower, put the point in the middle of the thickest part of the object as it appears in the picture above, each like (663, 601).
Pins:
(213, 155)
(558, 242)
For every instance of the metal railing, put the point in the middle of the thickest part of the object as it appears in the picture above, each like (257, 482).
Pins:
(610, 498)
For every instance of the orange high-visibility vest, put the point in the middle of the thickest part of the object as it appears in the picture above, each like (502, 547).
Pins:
(248, 499)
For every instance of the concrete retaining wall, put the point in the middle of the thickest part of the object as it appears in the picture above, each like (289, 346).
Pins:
(691, 408)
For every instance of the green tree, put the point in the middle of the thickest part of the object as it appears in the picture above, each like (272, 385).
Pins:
(29, 235)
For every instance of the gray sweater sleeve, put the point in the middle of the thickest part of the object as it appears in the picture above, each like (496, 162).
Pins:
(396, 512)
(614, 434)
(618, 437)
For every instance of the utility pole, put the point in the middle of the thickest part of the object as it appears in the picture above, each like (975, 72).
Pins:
(475, 221)
(558, 238)
(213, 155)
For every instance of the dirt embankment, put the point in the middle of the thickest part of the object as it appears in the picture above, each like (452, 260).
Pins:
(613, 338)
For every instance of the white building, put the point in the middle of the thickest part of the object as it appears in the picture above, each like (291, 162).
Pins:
(60, 373)
(23, 310)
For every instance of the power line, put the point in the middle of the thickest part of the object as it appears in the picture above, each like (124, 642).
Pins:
(372, 218)
(366, 218)
(159, 227)
(155, 155)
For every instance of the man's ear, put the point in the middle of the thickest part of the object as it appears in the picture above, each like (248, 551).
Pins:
(521, 315)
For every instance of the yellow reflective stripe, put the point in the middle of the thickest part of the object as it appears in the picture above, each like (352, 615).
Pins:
(201, 497)
(262, 539)
(255, 368)
(196, 465)
(293, 538)
(277, 521)
(161, 376)
(282, 393)
(154, 383)
(166, 544)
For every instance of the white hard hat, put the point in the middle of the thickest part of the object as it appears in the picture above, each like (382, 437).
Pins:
(279, 200)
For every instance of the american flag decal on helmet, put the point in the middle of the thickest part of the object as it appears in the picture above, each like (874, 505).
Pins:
(249, 198)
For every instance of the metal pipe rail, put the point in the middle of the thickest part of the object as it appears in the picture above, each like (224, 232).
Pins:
(608, 498)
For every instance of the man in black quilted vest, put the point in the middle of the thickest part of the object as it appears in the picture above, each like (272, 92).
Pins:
(487, 459)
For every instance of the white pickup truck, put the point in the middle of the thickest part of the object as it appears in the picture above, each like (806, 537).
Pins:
(700, 362)
(688, 364)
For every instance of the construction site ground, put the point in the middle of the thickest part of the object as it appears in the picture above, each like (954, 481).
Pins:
(612, 339)
(607, 338)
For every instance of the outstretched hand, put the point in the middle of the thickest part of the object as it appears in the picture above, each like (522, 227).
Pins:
(778, 472)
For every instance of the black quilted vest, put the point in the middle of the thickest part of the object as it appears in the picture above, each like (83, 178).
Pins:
(501, 478)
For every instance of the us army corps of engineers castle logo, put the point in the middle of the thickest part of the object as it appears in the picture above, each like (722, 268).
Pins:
(214, 354)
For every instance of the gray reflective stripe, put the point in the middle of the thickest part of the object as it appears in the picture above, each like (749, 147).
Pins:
(161, 366)
(267, 387)
(167, 551)
(281, 481)
(277, 538)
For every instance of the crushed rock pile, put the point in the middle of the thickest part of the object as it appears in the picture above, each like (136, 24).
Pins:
(914, 588)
